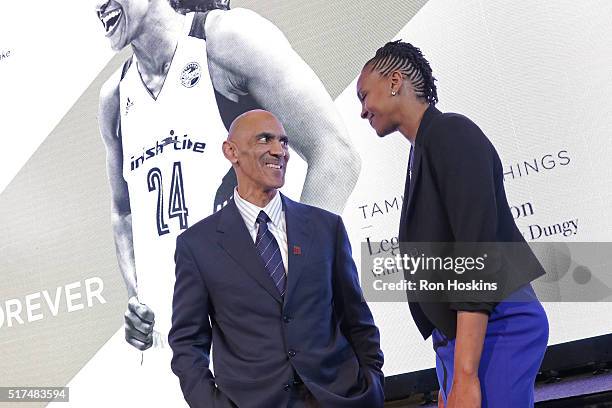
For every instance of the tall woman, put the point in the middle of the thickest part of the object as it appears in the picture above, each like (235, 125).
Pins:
(487, 352)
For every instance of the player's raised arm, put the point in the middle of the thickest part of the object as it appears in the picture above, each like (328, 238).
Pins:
(252, 56)
(138, 317)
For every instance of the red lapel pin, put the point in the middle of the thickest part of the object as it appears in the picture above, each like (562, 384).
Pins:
(297, 250)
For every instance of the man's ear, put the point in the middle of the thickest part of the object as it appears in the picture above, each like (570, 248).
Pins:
(229, 151)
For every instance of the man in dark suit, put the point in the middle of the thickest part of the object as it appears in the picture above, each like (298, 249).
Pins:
(271, 284)
(455, 194)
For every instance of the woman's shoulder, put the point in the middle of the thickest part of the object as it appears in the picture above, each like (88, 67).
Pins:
(456, 130)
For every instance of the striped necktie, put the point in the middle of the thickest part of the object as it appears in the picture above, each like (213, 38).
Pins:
(270, 253)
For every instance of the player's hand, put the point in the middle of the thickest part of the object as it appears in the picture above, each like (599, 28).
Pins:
(139, 322)
(465, 392)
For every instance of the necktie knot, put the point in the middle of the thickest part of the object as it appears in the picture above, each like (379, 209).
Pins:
(263, 217)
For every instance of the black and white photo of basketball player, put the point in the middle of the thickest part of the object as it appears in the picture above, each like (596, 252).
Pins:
(164, 115)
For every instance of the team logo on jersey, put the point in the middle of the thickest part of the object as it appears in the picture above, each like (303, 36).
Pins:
(171, 142)
(191, 75)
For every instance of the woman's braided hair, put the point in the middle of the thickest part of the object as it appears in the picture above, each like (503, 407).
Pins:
(408, 59)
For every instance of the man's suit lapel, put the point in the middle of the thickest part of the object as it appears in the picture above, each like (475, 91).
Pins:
(299, 242)
(235, 239)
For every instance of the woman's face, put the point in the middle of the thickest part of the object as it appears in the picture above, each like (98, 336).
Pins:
(378, 105)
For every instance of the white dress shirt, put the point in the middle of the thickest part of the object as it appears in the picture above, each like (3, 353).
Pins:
(277, 224)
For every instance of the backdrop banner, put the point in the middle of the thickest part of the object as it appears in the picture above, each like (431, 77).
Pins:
(109, 155)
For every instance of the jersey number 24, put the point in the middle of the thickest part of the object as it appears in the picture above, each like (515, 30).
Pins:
(176, 201)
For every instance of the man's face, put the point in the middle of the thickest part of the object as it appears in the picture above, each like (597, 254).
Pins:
(377, 104)
(121, 19)
(262, 154)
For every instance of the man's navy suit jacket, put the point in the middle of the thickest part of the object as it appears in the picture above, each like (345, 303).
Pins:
(322, 329)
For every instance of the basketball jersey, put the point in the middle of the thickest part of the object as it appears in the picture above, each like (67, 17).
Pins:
(172, 162)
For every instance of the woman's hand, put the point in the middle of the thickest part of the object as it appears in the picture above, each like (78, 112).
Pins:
(465, 392)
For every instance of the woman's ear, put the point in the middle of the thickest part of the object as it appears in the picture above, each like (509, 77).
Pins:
(396, 80)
